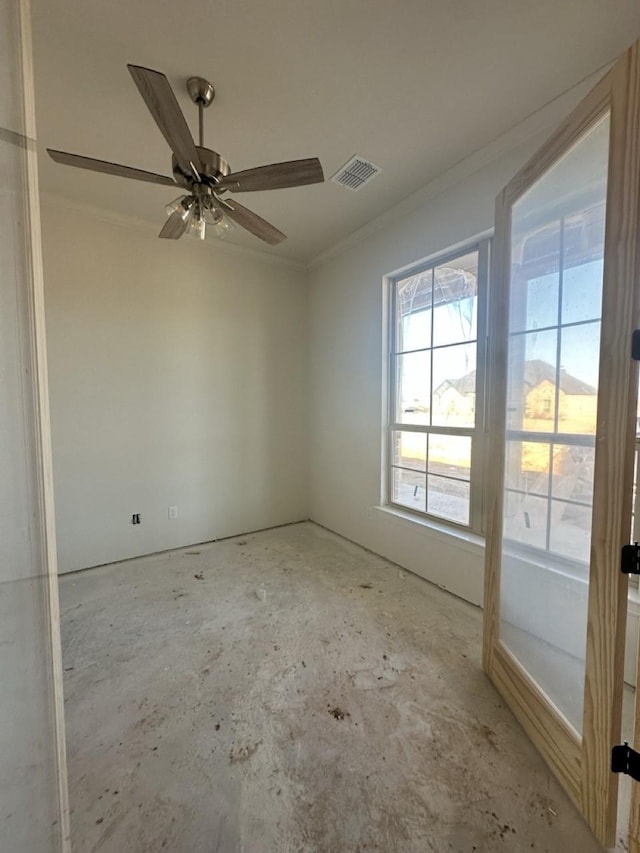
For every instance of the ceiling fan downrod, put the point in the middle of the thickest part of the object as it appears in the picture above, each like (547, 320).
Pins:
(202, 94)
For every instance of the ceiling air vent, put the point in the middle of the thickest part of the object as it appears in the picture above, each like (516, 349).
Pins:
(356, 173)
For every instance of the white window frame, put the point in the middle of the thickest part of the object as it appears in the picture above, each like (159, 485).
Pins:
(477, 433)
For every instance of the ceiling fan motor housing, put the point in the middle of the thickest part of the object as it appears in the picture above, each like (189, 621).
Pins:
(214, 167)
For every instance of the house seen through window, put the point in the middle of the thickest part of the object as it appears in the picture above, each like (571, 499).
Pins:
(552, 385)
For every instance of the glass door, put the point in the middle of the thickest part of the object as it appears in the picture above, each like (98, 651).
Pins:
(553, 356)
(33, 804)
(563, 438)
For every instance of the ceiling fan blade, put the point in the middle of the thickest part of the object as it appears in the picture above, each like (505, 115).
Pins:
(163, 106)
(252, 222)
(277, 176)
(174, 227)
(108, 168)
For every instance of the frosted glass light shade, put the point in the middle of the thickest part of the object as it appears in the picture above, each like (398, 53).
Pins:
(181, 205)
(197, 227)
(211, 215)
(223, 227)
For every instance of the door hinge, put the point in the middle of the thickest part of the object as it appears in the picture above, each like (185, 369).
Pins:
(635, 345)
(630, 559)
(626, 760)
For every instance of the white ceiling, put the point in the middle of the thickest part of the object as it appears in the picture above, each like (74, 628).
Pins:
(414, 85)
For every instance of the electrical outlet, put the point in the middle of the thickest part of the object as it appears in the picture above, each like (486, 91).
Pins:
(135, 518)
(173, 512)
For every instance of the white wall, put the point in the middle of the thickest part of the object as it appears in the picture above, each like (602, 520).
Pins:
(178, 377)
(347, 330)
(346, 367)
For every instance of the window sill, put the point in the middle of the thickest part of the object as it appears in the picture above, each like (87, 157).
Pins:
(467, 540)
(463, 538)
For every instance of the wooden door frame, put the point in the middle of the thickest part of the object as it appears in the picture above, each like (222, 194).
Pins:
(583, 765)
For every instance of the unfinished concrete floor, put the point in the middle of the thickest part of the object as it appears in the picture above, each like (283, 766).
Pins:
(346, 713)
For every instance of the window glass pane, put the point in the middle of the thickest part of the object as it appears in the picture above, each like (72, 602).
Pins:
(583, 265)
(584, 229)
(416, 331)
(525, 519)
(448, 499)
(573, 472)
(454, 386)
(413, 388)
(582, 292)
(570, 531)
(531, 382)
(455, 292)
(527, 466)
(580, 355)
(408, 488)
(413, 312)
(535, 302)
(450, 455)
(537, 253)
(536, 279)
(410, 450)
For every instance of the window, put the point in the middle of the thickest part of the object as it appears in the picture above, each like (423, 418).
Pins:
(438, 319)
(552, 380)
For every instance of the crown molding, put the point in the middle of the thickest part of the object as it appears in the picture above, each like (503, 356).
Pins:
(542, 121)
(100, 214)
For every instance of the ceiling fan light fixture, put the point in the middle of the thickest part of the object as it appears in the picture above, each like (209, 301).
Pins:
(217, 224)
(181, 205)
(197, 227)
(211, 214)
(222, 227)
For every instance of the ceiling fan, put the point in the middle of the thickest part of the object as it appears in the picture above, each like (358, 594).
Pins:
(203, 174)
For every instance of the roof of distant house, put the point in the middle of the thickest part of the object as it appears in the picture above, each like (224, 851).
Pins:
(536, 371)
